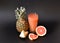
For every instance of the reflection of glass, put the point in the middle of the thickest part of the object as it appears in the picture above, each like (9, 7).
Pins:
(33, 20)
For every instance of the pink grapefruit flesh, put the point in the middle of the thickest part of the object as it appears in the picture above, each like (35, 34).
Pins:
(33, 36)
(41, 30)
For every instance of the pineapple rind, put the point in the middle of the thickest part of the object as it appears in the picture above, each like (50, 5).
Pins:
(21, 23)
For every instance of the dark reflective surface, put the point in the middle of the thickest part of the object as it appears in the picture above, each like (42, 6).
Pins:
(49, 16)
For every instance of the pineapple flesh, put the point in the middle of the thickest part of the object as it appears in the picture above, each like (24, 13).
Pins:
(21, 23)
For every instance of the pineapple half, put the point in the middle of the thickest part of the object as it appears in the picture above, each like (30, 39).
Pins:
(21, 23)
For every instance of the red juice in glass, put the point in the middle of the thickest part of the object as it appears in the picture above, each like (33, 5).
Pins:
(33, 21)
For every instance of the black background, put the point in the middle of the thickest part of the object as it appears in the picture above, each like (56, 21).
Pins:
(49, 16)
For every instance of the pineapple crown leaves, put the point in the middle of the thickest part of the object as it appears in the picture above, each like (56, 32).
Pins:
(20, 13)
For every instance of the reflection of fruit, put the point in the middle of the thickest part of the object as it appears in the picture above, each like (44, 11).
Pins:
(41, 30)
(33, 36)
(33, 20)
(21, 23)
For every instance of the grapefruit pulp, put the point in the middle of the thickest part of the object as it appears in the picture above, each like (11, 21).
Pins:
(41, 30)
(33, 36)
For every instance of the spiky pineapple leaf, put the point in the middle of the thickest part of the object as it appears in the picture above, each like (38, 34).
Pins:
(20, 13)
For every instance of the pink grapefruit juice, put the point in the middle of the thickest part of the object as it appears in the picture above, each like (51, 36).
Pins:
(33, 20)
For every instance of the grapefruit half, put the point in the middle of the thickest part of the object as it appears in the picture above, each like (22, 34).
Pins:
(33, 36)
(41, 31)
